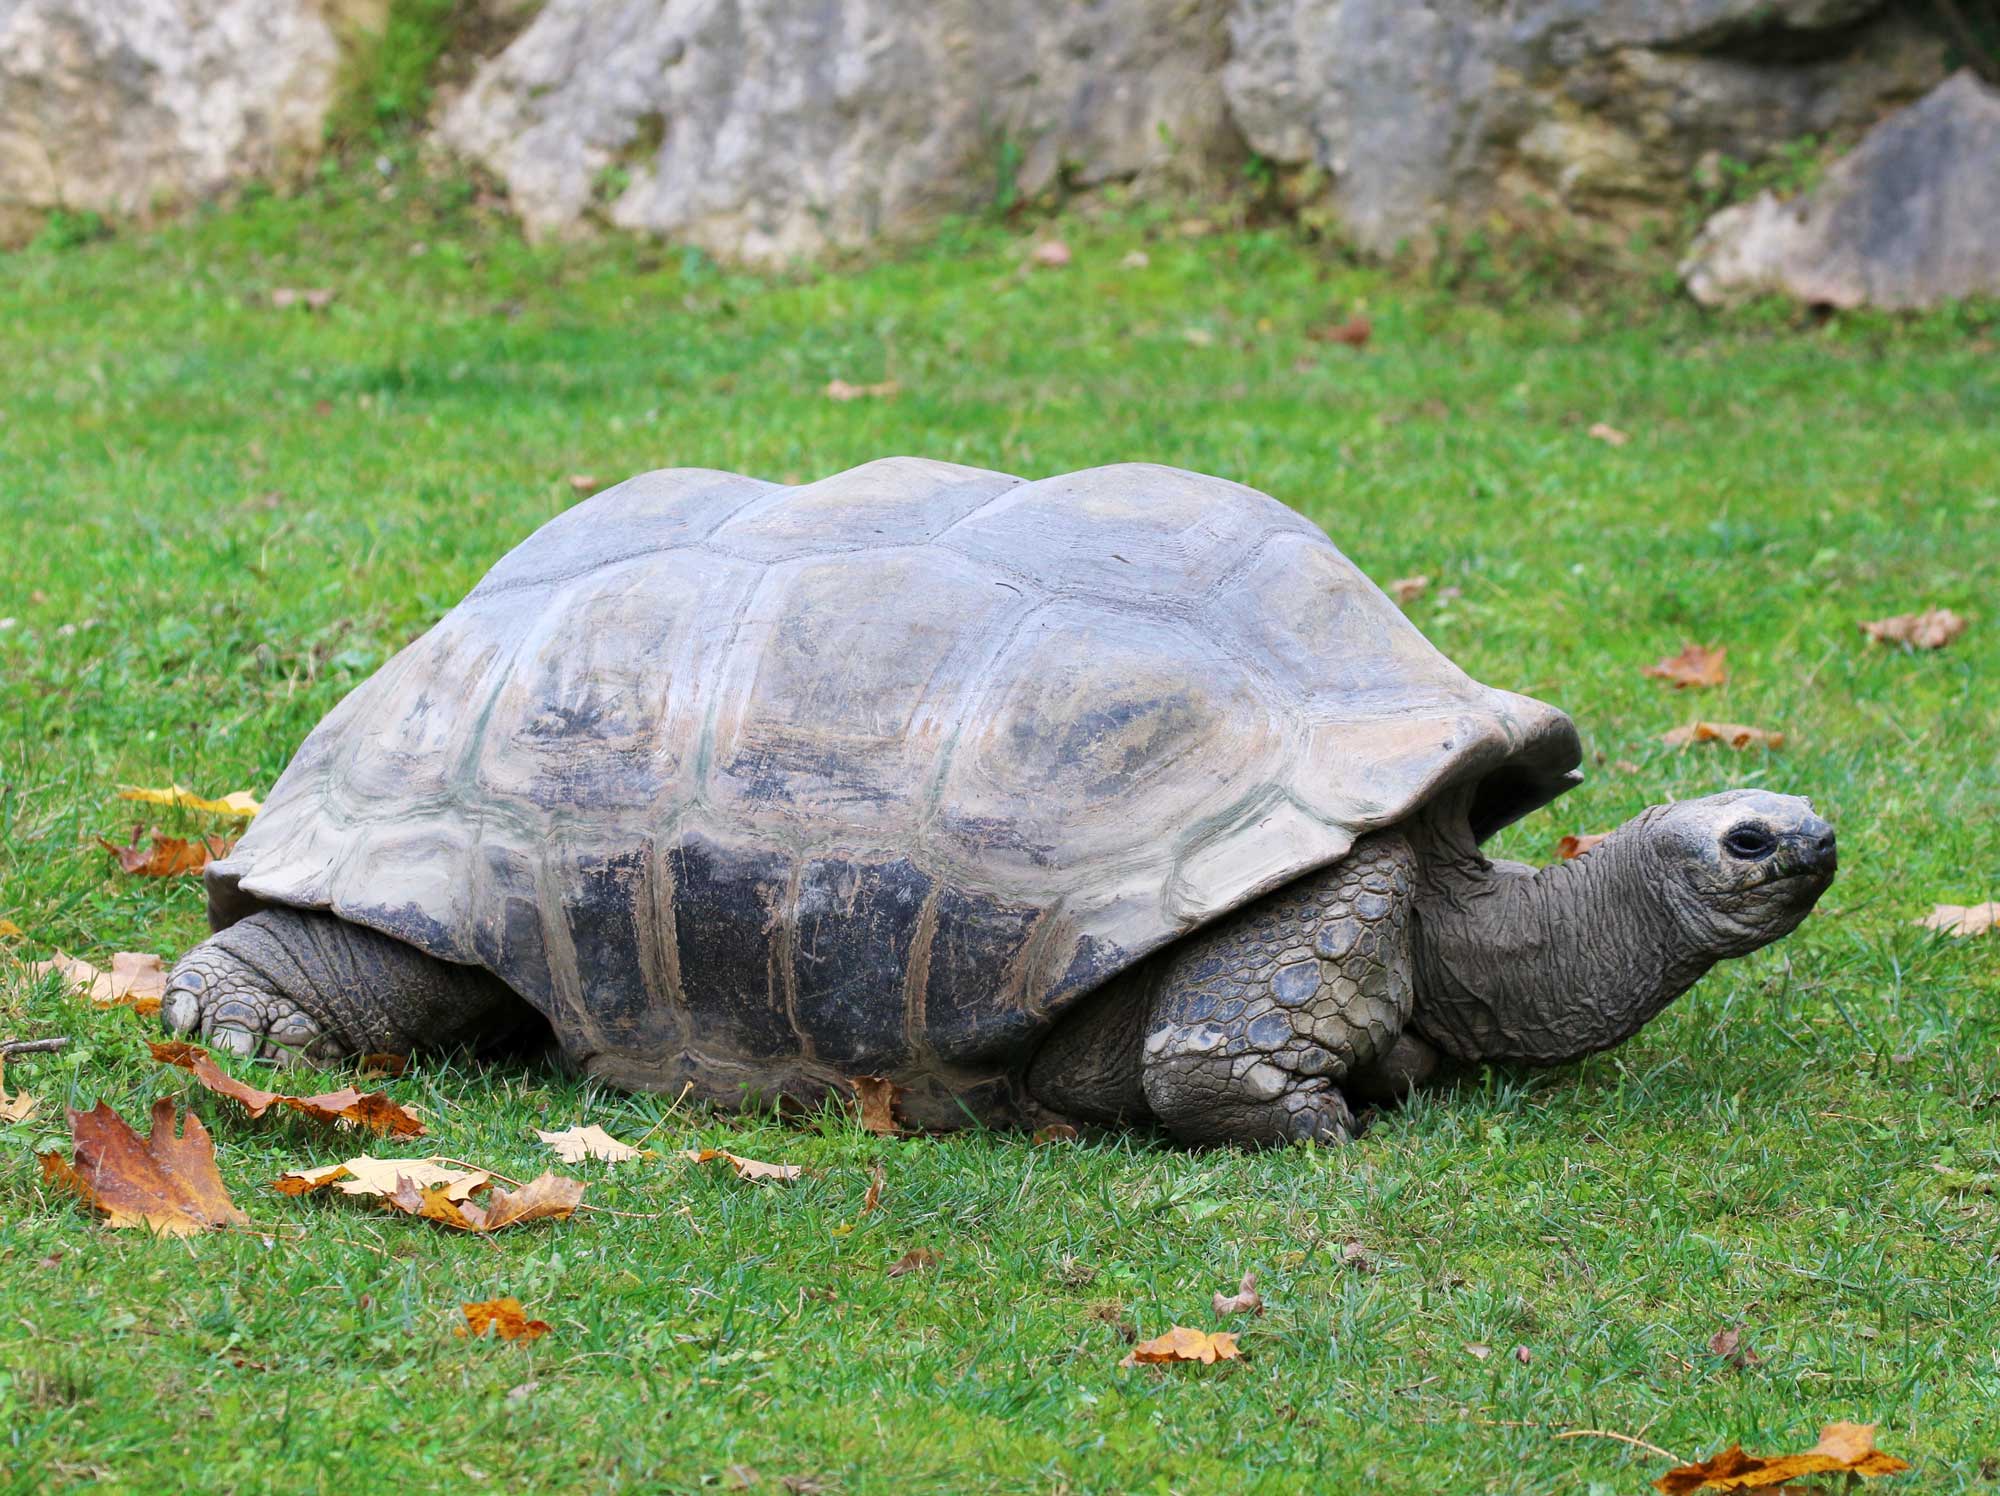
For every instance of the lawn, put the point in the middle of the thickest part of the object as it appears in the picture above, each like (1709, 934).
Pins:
(220, 516)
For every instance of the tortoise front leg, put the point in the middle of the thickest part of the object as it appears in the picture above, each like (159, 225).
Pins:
(1255, 1025)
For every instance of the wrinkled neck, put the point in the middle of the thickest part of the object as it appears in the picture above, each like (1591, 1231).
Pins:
(1545, 965)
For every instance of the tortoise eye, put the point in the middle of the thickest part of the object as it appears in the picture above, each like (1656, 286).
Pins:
(1751, 843)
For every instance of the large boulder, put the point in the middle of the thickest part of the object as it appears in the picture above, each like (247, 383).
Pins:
(762, 130)
(122, 106)
(1418, 113)
(1910, 218)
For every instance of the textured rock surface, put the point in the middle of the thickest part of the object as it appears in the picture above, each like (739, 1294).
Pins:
(764, 129)
(1910, 218)
(1423, 111)
(121, 105)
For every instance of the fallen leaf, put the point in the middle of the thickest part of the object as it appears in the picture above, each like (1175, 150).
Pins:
(1136, 259)
(1479, 1352)
(371, 1109)
(575, 1144)
(746, 1168)
(1697, 666)
(383, 1066)
(1931, 629)
(378, 1177)
(14, 1108)
(584, 484)
(136, 980)
(1842, 1446)
(1050, 254)
(505, 1317)
(9, 930)
(1962, 920)
(872, 1197)
(1610, 435)
(1406, 590)
(1578, 843)
(1354, 1255)
(1183, 1344)
(313, 299)
(1735, 734)
(545, 1197)
(1729, 1345)
(916, 1260)
(168, 856)
(167, 1184)
(840, 389)
(1353, 333)
(877, 1097)
(1055, 1132)
(239, 803)
(1246, 1299)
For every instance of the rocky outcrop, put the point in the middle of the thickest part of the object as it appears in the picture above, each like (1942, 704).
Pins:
(767, 129)
(1909, 219)
(122, 106)
(1421, 112)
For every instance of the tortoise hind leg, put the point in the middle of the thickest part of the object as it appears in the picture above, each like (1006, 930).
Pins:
(293, 984)
(1258, 1025)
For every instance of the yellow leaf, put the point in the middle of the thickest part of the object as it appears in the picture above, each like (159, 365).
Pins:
(238, 803)
(9, 930)
(1183, 1344)
(507, 1319)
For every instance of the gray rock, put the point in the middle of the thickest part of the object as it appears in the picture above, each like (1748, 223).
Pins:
(767, 129)
(120, 106)
(1422, 112)
(1910, 218)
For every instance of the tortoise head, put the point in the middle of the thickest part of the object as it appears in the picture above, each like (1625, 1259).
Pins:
(1739, 869)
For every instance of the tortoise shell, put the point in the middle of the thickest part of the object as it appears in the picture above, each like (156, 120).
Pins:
(765, 787)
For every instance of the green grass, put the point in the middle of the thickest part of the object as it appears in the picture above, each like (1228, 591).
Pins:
(219, 517)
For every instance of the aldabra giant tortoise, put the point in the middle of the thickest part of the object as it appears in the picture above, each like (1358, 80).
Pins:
(1116, 796)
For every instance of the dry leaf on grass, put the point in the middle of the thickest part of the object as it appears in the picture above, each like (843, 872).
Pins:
(378, 1177)
(876, 1096)
(1183, 1344)
(1353, 333)
(9, 930)
(1610, 435)
(382, 1066)
(1577, 844)
(505, 1317)
(872, 1197)
(1055, 1132)
(1406, 590)
(1729, 1345)
(313, 299)
(584, 484)
(239, 803)
(14, 1108)
(1931, 629)
(546, 1197)
(166, 1183)
(1355, 1256)
(746, 1168)
(136, 980)
(575, 1144)
(1735, 734)
(840, 389)
(1842, 1447)
(1696, 667)
(1050, 254)
(1246, 1299)
(371, 1109)
(1962, 920)
(916, 1260)
(168, 856)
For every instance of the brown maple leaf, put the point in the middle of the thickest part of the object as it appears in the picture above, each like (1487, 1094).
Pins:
(1729, 1345)
(14, 1108)
(876, 1097)
(575, 1144)
(1961, 920)
(168, 856)
(1735, 734)
(379, 1177)
(1931, 629)
(1183, 1344)
(136, 980)
(371, 1109)
(545, 1197)
(1841, 1447)
(1577, 844)
(1697, 666)
(1246, 1299)
(166, 1183)
(505, 1317)
(746, 1168)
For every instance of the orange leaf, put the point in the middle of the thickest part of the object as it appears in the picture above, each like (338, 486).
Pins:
(545, 1197)
(1962, 920)
(168, 856)
(1931, 629)
(14, 1108)
(372, 1109)
(167, 1184)
(1697, 665)
(877, 1096)
(1735, 734)
(746, 1168)
(1842, 1447)
(136, 980)
(1246, 1299)
(505, 1317)
(9, 930)
(1579, 843)
(1183, 1344)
